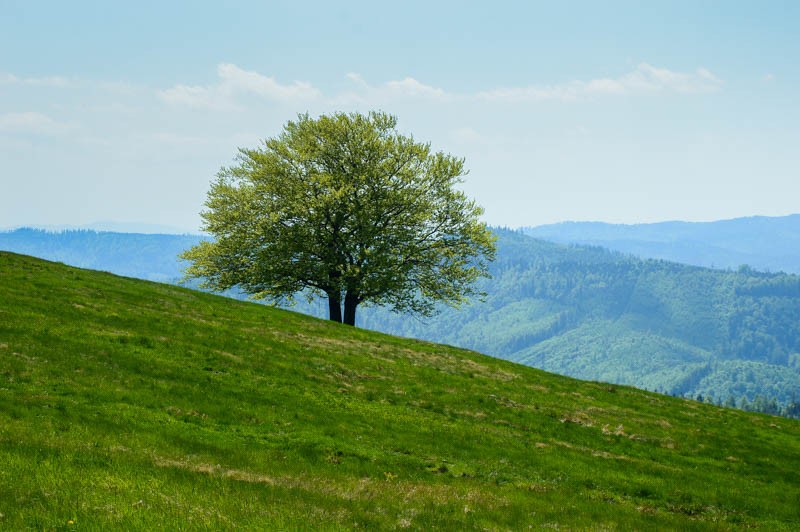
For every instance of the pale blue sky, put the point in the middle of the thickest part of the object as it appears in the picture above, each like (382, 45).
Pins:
(613, 111)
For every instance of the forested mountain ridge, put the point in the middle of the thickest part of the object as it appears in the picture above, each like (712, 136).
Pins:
(153, 257)
(729, 336)
(761, 242)
(732, 336)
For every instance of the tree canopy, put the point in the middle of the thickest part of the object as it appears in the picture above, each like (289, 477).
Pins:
(346, 207)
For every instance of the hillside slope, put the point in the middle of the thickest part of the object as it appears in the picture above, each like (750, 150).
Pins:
(128, 404)
(732, 336)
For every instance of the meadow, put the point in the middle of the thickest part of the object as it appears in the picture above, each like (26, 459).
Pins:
(136, 405)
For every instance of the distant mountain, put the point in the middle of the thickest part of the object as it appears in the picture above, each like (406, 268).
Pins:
(146, 256)
(731, 336)
(109, 226)
(761, 242)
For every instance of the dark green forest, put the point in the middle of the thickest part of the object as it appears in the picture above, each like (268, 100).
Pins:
(729, 337)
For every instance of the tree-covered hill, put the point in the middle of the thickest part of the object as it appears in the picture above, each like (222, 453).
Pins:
(147, 256)
(596, 314)
(761, 242)
(131, 405)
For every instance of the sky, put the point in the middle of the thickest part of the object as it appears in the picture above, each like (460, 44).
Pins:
(616, 111)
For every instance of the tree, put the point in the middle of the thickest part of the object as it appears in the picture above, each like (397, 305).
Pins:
(344, 206)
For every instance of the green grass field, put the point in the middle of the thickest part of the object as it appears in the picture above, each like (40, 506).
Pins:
(132, 405)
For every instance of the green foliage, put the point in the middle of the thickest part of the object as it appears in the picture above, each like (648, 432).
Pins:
(132, 405)
(344, 207)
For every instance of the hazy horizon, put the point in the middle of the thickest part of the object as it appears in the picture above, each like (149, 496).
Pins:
(152, 228)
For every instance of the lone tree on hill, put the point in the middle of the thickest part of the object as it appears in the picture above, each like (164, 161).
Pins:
(344, 206)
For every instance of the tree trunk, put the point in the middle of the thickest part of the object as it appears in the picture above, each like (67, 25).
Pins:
(350, 303)
(334, 308)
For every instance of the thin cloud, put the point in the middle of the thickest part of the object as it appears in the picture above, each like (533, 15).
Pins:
(411, 87)
(236, 83)
(233, 83)
(403, 89)
(236, 88)
(31, 122)
(48, 81)
(195, 96)
(644, 78)
(468, 135)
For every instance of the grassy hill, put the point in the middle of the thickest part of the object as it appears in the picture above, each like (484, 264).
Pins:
(135, 405)
(732, 336)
